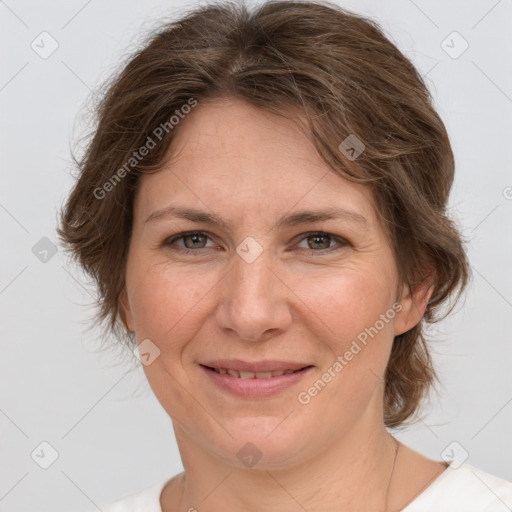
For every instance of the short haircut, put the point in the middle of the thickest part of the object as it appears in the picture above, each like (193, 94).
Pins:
(308, 60)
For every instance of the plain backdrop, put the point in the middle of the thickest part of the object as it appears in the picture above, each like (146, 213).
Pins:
(106, 431)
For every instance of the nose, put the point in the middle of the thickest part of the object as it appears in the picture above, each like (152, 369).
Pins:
(255, 302)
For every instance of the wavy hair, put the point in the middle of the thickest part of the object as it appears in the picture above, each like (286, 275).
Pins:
(311, 60)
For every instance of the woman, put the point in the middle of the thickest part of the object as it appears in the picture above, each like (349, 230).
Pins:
(263, 207)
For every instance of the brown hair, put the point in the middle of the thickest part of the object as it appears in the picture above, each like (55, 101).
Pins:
(313, 59)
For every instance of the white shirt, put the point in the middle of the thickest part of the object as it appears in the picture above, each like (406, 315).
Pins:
(465, 489)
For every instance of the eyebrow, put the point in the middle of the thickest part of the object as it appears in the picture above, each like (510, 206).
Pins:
(293, 219)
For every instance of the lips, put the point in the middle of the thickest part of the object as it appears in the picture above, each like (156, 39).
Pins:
(250, 370)
(256, 380)
(240, 374)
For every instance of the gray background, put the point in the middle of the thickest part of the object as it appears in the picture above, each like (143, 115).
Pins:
(111, 435)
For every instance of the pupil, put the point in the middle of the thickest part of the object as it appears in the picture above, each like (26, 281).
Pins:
(319, 237)
(194, 237)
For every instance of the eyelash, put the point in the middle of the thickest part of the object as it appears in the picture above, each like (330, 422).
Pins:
(341, 242)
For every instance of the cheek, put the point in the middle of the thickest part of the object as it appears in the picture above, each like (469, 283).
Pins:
(348, 301)
(354, 318)
(168, 307)
(167, 300)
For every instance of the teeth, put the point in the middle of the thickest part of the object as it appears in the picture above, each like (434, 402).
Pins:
(253, 375)
(263, 375)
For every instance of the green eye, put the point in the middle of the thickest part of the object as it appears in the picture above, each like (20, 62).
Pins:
(320, 240)
(194, 241)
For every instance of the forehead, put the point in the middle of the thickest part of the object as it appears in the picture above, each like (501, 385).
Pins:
(232, 156)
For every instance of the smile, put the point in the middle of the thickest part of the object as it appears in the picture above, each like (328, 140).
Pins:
(255, 385)
(239, 374)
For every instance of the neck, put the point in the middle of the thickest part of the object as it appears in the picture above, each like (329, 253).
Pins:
(352, 474)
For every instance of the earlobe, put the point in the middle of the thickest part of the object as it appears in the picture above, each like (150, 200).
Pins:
(125, 311)
(414, 304)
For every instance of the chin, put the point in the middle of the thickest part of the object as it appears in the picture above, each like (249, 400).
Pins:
(263, 442)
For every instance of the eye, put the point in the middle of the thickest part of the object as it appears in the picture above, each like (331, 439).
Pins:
(195, 240)
(322, 241)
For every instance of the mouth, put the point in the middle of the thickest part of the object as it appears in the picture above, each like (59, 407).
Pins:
(262, 380)
(241, 374)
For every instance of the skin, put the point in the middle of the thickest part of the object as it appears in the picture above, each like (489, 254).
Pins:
(297, 301)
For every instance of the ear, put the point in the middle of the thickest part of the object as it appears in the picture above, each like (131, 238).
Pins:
(125, 311)
(414, 303)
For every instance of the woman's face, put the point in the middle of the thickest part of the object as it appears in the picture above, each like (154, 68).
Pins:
(258, 289)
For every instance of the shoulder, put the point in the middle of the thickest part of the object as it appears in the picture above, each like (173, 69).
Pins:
(147, 500)
(465, 488)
